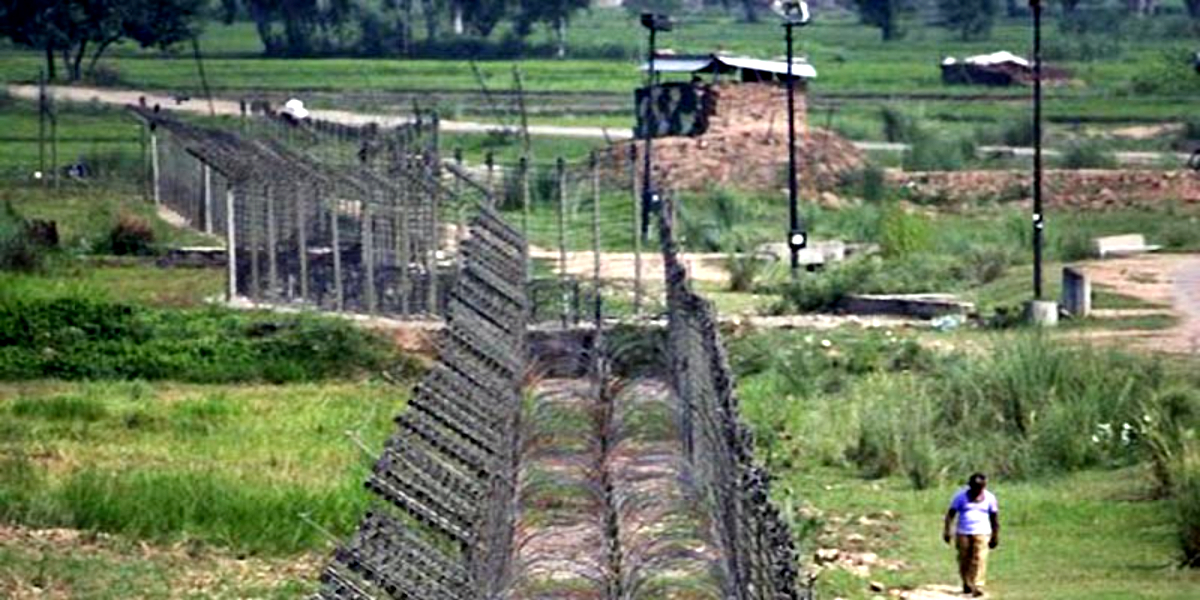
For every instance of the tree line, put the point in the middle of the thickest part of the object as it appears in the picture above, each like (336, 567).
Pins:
(974, 19)
(73, 35)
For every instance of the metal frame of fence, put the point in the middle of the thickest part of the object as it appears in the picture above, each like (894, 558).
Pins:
(321, 214)
(361, 218)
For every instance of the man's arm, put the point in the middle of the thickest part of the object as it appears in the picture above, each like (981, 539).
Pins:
(948, 524)
(994, 517)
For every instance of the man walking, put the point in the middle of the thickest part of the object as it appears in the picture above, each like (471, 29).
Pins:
(977, 531)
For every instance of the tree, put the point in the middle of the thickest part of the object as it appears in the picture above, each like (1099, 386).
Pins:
(306, 25)
(884, 14)
(973, 19)
(77, 30)
(554, 13)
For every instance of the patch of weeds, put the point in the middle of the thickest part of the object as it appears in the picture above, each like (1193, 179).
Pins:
(60, 408)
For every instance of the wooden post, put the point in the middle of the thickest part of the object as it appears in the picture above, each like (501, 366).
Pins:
(368, 255)
(230, 245)
(208, 200)
(272, 246)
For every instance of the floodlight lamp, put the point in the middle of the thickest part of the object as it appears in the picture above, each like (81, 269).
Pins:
(657, 22)
(798, 240)
(793, 12)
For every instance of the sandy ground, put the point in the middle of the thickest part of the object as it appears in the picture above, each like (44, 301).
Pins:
(1171, 280)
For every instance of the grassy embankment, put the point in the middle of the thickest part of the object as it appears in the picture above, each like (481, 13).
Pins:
(872, 433)
(197, 448)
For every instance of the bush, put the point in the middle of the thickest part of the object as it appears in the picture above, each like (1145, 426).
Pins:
(744, 269)
(18, 252)
(903, 233)
(1187, 506)
(131, 235)
(77, 338)
(869, 183)
(929, 151)
(1088, 154)
(899, 127)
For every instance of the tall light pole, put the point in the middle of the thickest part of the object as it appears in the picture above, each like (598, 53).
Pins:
(655, 23)
(1039, 217)
(795, 14)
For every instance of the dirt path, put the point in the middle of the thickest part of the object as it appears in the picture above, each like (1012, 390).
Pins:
(1169, 280)
(222, 106)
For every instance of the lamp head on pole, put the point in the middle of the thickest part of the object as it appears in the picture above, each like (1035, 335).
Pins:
(657, 22)
(792, 12)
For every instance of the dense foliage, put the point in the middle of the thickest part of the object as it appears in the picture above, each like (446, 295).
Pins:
(81, 338)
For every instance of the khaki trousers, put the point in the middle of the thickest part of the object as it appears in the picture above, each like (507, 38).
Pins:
(972, 559)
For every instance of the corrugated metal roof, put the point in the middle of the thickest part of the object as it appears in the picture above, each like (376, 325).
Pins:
(691, 64)
(799, 68)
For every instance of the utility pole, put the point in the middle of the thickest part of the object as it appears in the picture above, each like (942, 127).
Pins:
(1039, 217)
(795, 14)
(650, 201)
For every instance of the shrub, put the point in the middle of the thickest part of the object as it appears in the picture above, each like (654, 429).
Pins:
(18, 252)
(131, 235)
(744, 268)
(1088, 155)
(869, 183)
(76, 338)
(983, 264)
(899, 127)
(1187, 506)
(929, 151)
(904, 233)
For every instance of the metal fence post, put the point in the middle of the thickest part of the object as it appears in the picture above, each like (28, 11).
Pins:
(561, 177)
(154, 167)
(272, 246)
(302, 243)
(230, 245)
(637, 232)
(208, 200)
(254, 214)
(594, 164)
(368, 256)
(339, 297)
(42, 128)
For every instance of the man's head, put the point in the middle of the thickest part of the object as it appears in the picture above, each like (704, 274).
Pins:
(977, 481)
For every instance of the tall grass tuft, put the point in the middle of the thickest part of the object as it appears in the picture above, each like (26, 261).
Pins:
(60, 408)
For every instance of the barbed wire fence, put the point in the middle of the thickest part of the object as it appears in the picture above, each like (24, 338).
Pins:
(759, 557)
(342, 218)
(372, 219)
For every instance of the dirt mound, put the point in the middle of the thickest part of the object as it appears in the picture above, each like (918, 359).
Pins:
(748, 158)
(1091, 189)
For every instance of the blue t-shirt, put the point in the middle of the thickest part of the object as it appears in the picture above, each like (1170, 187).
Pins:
(973, 515)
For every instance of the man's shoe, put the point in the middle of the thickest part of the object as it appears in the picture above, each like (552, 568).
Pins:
(967, 589)
(977, 593)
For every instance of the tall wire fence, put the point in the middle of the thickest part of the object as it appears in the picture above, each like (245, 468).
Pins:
(353, 218)
(448, 474)
(759, 557)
